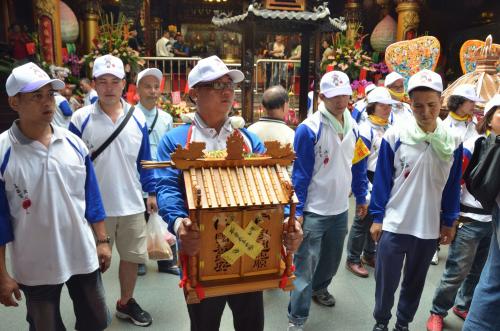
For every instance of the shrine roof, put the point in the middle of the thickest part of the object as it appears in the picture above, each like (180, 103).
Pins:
(241, 187)
(319, 15)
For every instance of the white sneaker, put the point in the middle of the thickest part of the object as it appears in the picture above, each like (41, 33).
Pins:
(435, 259)
(295, 327)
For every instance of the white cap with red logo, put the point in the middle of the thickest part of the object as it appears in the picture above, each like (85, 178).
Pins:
(335, 83)
(426, 78)
(108, 64)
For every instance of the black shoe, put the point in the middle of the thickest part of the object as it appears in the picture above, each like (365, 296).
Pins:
(324, 298)
(141, 269)
(133, 312)
(169, 267)
(380, 327)
(399, 327)
(174, 270)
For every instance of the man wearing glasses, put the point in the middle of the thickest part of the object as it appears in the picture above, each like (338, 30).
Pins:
(212, 87)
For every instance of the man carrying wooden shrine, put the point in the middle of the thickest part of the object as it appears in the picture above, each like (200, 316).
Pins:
(330, 155)
(212, 87)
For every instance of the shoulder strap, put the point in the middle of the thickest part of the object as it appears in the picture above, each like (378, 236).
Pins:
(154, 122)
(112, 137)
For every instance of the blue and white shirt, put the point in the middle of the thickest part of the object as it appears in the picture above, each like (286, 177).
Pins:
(463, 129)
(62, 116)
(322, 173)
(401, 112)
(413, 188)
(121, 177)
(170, 187)
(90, 98)
(48, 198)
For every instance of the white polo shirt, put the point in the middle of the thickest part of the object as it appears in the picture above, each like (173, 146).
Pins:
(163, 124)
(463, 129)
(413, 189)
(267, 128)
(62, 116)
(121, 177)
(48, 197)
(401, 112)
(90, 98)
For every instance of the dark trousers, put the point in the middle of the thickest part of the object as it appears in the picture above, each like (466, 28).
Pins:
(360, 240)
(394, 249)
(247, 309)
(86, 292)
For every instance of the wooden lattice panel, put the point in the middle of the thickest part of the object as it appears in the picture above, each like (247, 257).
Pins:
(298, 5)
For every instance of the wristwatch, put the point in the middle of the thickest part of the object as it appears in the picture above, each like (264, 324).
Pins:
(106, 240)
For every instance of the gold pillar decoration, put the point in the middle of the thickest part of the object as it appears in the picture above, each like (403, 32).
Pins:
(408, 19)
(352, 15)
(91, 24)
(156, 30)
(48, 20)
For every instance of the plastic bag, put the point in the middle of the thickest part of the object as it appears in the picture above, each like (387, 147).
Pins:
(157, 238)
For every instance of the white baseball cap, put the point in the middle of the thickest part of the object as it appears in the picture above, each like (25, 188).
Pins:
(391, 78)
(335, 83)
(108, 64)
(28, 78)
(426, 78)
(210, 69)
(370, 87)
(149, 72)
(494, 102)
(381, 95)
(467, 91)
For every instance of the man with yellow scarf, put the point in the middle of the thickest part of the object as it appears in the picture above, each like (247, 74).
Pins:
(461, 105)
(401, 111)
(330, 157)
(371, 130)
(415, 200)
(460, 120)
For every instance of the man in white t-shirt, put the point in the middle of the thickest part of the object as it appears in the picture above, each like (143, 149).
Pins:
(272, 126)
(50, 211)
(401, 111)
(158, 122)
(415, 200)
(164, 45)
(63, 113)
(90, 94)
(121, 177)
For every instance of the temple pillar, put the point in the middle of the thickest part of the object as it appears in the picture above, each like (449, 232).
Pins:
(155, 31)
(48, 21)
(145, 25)
(408, 19)
(352, 15)
(90, 24)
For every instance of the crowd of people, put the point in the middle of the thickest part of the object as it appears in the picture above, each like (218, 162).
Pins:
(66, 203)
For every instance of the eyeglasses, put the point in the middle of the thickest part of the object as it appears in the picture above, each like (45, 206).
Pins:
(219, 86)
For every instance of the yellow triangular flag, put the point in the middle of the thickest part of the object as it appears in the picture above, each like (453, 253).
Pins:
(360, 151)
